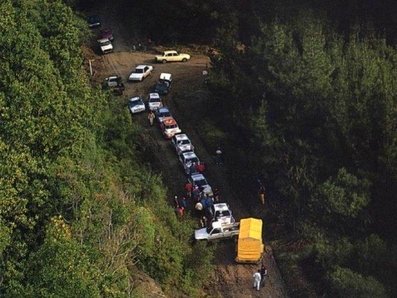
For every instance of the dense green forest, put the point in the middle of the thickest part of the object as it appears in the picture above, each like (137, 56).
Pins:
(79, 210)
(306, 95)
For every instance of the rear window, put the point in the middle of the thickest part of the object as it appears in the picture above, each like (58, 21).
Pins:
(171, 126)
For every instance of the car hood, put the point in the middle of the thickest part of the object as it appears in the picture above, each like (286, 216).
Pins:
(201, 234)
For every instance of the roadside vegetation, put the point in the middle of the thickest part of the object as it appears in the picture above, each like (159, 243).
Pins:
(79, 209)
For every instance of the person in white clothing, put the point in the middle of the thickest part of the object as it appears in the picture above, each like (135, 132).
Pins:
(257, 279)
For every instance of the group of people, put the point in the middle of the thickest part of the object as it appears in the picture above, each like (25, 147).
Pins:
(202, 202)
(259, 277)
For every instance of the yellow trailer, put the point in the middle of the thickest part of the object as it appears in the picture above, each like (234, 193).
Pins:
(250, 246)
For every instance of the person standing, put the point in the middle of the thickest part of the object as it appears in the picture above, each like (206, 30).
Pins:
(218, 153)
(216, 195)
(150, 117)
(189, 188)
(263, 274)
(257, 279)
(262, 194)
(196, 193)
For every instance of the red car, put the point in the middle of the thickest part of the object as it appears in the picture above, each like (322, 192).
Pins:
(106, 33)
(169, 127)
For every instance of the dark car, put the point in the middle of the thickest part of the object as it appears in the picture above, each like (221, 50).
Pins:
(106, 33)
(162, 113)
(163, 85)
(94, 21)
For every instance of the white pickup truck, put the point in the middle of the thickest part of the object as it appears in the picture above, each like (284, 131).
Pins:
(217, 231)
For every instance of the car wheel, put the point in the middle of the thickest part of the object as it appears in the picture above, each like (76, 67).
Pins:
(184, 60)
(164, 61)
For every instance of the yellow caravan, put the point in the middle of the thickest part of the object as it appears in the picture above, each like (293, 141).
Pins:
(249, 246)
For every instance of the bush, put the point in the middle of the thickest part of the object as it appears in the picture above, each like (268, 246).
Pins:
(346, 283)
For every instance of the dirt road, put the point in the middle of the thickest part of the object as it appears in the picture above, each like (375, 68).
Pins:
(230, 279)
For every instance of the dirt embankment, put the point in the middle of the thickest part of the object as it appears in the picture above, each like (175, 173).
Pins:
(230, 279)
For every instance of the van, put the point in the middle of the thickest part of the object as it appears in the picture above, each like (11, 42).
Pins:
(250, 247)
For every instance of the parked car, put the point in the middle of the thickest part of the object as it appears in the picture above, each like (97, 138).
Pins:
(140, 72)
(182, 143)
(112, 81)
(162, 113)
(94, 21)
(163, 85)
(222, 213)
(187, 160)
(115, 83)
(217, 230)
(136, 105)
(106, 33)
(169, 127)
(199, 180)
(154, 101)
(172, 56)
(105, 45)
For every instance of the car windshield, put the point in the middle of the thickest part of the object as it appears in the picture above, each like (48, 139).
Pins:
(171, 126)
(222, 213)
(164, 114)
(105, 43)
(136, 102)
(154, 100)
(201, 182)
(139, 70)
(193, 159)
(183, 142)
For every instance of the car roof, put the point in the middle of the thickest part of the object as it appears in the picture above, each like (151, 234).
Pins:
(197, 176)
(102, 40)
(169, 51)
(135, 98)
(112, 77)
(221, 207)
(165, 76)
(169, 121)
(163, 109)
(141, 66)
(181, 136)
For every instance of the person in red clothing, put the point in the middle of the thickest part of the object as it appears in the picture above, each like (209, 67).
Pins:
(200, 167)
(189, 188)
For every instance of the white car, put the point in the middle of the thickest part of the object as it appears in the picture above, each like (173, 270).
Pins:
(187, 159)
(222, 213)
(172, 56)
(154, 101)
(182, 143)
(199, 180)
(140, 72)
(105, 45)
(112, 81)
(136, 105)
